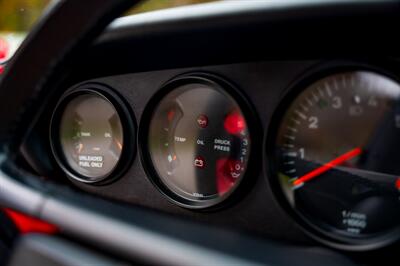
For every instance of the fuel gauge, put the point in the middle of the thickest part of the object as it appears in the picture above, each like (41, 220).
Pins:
(88, 135)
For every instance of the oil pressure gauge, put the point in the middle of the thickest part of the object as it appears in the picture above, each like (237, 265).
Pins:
(89, 137)
(198, 142)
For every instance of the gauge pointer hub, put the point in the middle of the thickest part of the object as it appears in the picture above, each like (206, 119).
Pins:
(328, 166)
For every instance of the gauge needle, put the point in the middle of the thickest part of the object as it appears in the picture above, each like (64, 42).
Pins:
(326, 167)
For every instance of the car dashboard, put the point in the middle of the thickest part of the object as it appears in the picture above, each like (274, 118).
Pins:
(278, 121)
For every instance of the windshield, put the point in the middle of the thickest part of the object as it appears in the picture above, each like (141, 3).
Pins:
(18, 16)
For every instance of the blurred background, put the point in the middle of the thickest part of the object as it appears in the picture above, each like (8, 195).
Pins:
(18, 16)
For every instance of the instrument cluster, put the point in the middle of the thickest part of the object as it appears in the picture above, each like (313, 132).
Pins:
(330, 147)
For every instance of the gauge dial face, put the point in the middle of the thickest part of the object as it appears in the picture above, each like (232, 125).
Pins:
(337, 155)
(91, 136)
(199, 144)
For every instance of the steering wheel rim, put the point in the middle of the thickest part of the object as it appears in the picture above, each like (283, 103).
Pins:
(71, 29)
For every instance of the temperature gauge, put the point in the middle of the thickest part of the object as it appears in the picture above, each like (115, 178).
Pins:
(198, 143)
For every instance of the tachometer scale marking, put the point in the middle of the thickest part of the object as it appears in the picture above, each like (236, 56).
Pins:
(296, 121)
(310, 103)
(301, 115)
(321, 93)
(328, 89)
(290, 137)
(304, 107)
(315, 97)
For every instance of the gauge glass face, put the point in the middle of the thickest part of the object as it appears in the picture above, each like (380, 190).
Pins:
(337, 154)
(91, 136)
(199, 143)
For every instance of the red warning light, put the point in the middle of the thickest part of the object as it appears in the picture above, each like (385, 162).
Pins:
(228, 172)
(3, 49)
(234, 123)
(1, 69)
(398, 183)
(202, 121)
(171, 115)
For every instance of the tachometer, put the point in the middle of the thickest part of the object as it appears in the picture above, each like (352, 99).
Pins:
(336, 157)
(198, 143)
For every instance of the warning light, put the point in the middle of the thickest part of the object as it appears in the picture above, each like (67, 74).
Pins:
(228, 171)
(202, 121)
(234, 123)
(199, 162)
(398, 183)
(3, 49)
(171, 115)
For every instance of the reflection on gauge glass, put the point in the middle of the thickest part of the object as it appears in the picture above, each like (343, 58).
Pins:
(337, 155)
(199, 143)
(91, 136)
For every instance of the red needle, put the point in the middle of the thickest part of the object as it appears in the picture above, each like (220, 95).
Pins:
(398, 183)
(326, 167)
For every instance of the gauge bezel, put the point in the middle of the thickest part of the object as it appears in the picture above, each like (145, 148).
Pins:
(128, 128)
(295, 88)
(253, 127)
